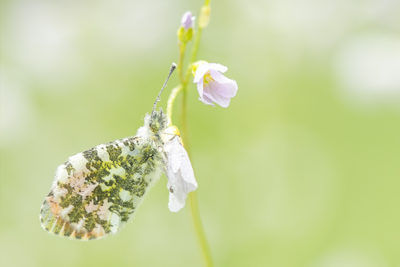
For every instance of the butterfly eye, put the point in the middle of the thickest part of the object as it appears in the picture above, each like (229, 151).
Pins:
(171, 189)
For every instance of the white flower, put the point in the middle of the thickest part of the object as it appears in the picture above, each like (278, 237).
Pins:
(212, 85)
(181, 180)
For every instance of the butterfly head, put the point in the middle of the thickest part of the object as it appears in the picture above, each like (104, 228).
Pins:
(158, 121)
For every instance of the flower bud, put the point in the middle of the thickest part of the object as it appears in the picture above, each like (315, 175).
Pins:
(187, 20)
(185, 31)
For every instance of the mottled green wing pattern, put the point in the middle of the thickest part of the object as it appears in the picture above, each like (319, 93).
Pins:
(98, 190)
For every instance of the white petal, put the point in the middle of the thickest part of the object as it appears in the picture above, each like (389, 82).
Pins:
(174, 154)
(181, 180)
(177, 196)
(219, 77)
(201, 70)
(187, 172)
(200, 88)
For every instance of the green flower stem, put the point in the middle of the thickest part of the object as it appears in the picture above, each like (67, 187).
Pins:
(194, 207)
(205, 248)
(182, 49)
(196, 45)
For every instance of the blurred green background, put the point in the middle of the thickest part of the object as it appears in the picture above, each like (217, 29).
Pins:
(301, 170)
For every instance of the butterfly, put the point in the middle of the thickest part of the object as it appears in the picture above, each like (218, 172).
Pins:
(97, 191)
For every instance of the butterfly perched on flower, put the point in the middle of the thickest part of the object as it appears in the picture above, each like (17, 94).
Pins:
(96, 191)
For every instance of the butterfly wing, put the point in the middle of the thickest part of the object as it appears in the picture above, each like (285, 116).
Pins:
(96, 191)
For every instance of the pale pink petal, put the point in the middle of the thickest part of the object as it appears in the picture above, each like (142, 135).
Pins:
(217, 67)
(225, 86)
(206, 100)
(221, 93)
(219, 77)
(216, 98)
(228, 89)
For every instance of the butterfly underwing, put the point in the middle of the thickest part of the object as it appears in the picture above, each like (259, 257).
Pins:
(96, 191)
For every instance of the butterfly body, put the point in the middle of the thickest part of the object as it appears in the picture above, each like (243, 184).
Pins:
(96, 191)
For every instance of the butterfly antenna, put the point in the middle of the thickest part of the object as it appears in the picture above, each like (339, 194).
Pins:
(173, 67)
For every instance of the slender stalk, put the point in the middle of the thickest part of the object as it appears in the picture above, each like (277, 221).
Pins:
(198, 225)
(184, 78)
(194, 208)
(182, 49)
(196, 45)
